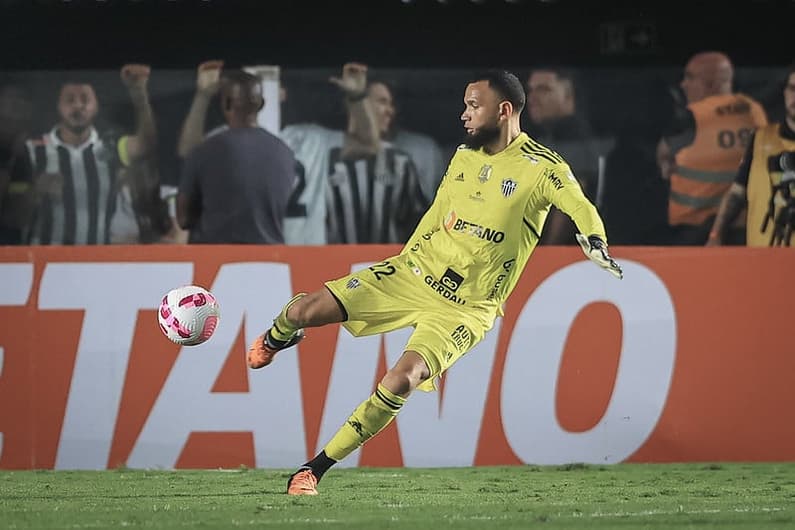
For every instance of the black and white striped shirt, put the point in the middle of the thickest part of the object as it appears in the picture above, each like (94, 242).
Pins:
(376, 199)
(82, 214)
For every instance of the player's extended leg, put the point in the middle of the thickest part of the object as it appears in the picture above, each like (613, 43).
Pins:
(369, 418)
(302, 311)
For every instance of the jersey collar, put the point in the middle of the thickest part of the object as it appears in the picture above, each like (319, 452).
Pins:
(93, 137)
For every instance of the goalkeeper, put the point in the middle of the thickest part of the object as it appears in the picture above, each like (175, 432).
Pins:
(450, 280)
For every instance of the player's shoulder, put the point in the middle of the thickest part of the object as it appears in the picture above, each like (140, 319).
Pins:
(38, 141)
(277, 143)
(536, 153)
(299, 134)
(304, 129)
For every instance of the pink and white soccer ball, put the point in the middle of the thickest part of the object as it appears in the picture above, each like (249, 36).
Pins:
(189, 315)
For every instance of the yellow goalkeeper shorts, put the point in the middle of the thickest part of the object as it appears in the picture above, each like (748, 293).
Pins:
(395, 294)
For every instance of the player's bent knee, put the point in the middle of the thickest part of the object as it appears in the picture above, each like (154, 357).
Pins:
(407, 374)
(399, 382)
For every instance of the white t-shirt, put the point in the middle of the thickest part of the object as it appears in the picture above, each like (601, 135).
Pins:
(305, 223)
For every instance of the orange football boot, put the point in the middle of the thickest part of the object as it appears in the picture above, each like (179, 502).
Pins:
(302, 482)
(265, 347)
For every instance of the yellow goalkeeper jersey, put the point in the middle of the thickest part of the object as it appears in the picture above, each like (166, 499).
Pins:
(474, 241)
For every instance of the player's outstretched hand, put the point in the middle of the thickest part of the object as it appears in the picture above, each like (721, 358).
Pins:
(596, 250)
(353, 82)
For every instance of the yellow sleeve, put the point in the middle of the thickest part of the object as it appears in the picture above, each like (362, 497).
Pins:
(565, 193)
(121, 149)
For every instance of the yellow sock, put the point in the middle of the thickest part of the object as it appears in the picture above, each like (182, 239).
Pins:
(282, 329)
(369, 418)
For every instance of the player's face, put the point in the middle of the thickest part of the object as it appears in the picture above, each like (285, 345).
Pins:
(481, 114)
(380, 98)
(789, 98)
(547, 97)
(77, 106)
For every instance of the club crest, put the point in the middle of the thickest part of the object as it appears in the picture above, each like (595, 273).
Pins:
(508, 187)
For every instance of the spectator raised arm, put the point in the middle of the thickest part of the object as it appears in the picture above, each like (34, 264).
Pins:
(141, 144)
(208, 77)
(362, 137)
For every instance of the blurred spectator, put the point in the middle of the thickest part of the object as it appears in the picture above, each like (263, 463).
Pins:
(701, 150)
(313, 145)
(374, 195)
(342, 199)
(15, 169)
(425, 153)
(557, 123)
(142, 191)
(77, 196)
(635, 204)
(766, 180)
(208, 81)
(235, 184)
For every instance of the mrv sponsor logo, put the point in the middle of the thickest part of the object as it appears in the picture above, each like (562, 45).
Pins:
(456, 224)
(447, 285)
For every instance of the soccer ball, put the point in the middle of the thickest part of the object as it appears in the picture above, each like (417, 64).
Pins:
(188, 315)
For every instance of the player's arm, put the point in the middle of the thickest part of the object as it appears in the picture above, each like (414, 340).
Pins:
(362, 137)
(142, 143)
(208, 77)
(565, 193)
(734, 200)
(731, 205)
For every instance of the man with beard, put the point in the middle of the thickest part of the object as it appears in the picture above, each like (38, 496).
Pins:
(558, 121)
(451, 279)
(374, 192)
(77, 197)
(766, 182)
(424, 151)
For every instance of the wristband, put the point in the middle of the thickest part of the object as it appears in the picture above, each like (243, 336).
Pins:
(356, 97)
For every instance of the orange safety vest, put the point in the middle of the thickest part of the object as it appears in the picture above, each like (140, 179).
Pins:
(767, 142)
(706, 168)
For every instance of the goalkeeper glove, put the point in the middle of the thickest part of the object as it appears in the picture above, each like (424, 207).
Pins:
(596, 250)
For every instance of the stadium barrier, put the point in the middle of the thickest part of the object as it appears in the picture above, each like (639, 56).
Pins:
(689, 358)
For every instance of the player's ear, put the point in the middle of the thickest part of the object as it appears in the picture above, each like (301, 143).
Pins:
(506, 109)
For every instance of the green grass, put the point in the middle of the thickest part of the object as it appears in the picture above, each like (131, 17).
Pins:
(735, 496)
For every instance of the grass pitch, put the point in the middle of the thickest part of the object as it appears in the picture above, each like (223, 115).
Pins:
(737, 496)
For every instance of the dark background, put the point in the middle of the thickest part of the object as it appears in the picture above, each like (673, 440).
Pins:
(391, 33)
(629, 56)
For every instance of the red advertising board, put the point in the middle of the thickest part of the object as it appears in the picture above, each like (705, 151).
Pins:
(689, 358)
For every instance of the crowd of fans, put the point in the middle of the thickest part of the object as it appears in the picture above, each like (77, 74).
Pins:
(208, 171)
